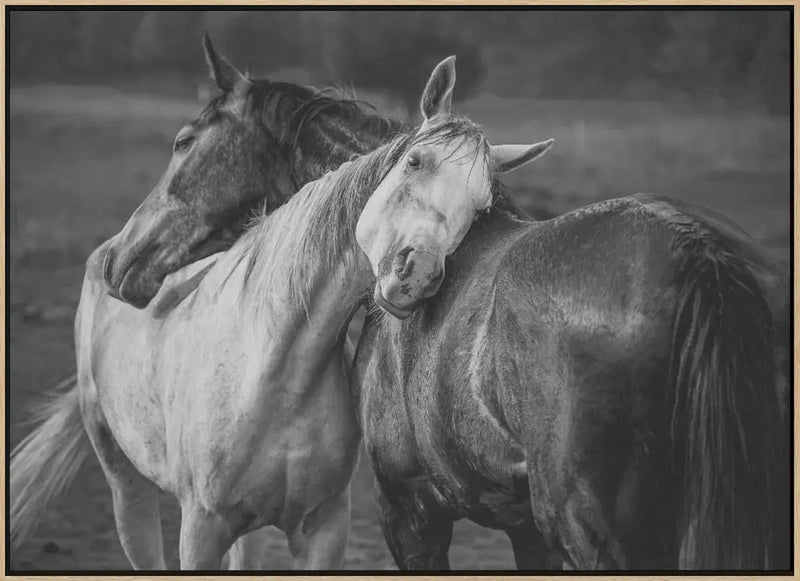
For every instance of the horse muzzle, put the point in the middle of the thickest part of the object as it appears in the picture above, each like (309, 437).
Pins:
(414, 276)
(129, 278)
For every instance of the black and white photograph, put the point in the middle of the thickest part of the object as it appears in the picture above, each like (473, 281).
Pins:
(400, 288)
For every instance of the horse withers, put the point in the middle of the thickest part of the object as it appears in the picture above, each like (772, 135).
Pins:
(601, 386)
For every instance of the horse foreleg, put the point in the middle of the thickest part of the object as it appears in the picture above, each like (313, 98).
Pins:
(205, 537)
(247, 552)
(136, 503)
(531, 552)
(320, 540)
(588, 538)
(417, 529)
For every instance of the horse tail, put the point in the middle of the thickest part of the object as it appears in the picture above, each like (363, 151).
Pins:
(46, 461)
(725, 422)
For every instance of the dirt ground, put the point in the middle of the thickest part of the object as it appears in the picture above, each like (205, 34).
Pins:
(82, 158)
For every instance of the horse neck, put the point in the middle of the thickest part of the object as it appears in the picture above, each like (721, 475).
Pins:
(296, 295)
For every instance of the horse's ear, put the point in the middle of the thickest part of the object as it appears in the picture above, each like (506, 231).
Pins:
(510, 157)
(224, 74)
(437, 97)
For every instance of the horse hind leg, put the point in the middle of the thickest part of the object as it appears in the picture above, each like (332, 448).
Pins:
(135, 498)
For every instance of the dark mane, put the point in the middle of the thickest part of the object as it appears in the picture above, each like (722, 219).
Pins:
(317, 129)
(211, 110)
(344, 126)
(503, 201)
(306, 104)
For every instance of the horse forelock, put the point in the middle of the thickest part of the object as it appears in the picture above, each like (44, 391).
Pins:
(212, 108)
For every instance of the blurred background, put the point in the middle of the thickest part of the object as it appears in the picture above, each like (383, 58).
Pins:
(694, 104)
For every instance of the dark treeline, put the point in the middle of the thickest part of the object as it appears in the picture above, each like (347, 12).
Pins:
(741, 57)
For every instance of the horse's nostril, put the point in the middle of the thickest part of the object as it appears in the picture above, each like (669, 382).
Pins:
(404, 267)
(108, 265)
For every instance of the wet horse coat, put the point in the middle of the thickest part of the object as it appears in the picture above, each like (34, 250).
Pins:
(602, 386)
(566, 384)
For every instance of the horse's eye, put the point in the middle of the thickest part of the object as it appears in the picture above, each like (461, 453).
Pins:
(413, 160)
(183, 142)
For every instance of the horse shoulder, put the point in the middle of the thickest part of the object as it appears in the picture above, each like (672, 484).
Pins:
(387, 431)
(93, 270)
(92, 296)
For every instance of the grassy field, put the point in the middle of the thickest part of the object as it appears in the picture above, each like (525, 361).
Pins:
(83, 158)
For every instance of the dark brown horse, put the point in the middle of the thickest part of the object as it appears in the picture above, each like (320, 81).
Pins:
(251, 148)
(601, 386)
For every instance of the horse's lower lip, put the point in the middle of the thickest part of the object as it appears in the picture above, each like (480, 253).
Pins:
(131, 293)
(113, 292)
(393, 310)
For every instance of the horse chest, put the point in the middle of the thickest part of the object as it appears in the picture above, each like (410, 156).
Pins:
(271, 458)
(388, 435)
(472, 462)
(480, 475)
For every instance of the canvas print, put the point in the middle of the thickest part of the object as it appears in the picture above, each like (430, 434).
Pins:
(371, 290)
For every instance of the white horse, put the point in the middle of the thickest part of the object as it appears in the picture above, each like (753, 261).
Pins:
(229, 389)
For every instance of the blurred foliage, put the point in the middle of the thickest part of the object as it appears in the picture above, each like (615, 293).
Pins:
(737, 56)
(411, 43)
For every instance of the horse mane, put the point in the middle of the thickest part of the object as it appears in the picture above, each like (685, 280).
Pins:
(315, 229)
(503, 202)
(298, 106)
(342, 121)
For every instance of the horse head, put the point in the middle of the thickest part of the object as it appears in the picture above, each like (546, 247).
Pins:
(424, 206)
